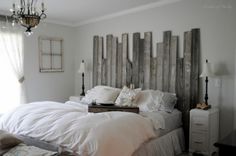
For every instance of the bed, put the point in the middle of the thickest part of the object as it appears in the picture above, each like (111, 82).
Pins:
(63, 133)
(160, 129)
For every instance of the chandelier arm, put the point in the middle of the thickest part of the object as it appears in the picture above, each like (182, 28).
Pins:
(43, 15)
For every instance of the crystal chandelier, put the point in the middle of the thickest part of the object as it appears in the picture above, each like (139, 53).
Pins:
(27, 14)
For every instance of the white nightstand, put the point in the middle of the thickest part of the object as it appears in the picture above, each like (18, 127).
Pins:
(204, 130)
(76, 98)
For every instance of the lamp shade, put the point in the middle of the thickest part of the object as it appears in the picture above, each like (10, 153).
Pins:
(82, 67)
(206, 72)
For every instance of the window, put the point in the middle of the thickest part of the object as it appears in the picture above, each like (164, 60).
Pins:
(10, 90)
(50, 54)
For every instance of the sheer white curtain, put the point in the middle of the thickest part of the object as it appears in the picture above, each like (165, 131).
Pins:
(12, 70)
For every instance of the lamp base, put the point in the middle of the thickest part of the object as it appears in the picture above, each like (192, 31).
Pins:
(203, 106)
(82, 94)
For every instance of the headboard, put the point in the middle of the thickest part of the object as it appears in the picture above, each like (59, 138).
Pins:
(166, 71)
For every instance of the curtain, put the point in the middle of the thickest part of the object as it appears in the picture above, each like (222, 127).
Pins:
(11, 42)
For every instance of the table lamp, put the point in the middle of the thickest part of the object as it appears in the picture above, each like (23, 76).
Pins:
(82, 70)
(206, 72)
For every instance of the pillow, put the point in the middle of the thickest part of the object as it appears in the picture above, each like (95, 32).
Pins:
(156, 100)
(149, 100)
(127, 96)
(8, 140)
(102, 94)
(168, 101)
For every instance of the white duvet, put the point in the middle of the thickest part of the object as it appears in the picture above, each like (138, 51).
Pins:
(76, 130)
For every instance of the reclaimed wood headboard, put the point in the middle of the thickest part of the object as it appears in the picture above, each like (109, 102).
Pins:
(167, 71)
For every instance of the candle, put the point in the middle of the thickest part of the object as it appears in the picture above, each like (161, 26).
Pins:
(14, 6)
(43, 6)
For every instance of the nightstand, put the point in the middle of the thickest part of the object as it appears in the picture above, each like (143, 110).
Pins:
(204, 130)
(76, 98)
(100, 108)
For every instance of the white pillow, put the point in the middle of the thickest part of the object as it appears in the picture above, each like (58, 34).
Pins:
(149, 100)
(154, 100)
(127, 96)
(102, 94)
(168, 101)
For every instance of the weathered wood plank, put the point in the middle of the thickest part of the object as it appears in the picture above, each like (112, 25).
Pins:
(99, 63)
(160, 55)
(173, 60)
(147, 59)
(153, 75)
(180, 83)
(113, 61)
(166, 65)
(136, 52)
(187, 82)
(109, 57)
(187, 68)
(141, 62)
(95, 59)
(104, 71)
(153, 81)
(119, 66)
(195, 58)
(125, 62)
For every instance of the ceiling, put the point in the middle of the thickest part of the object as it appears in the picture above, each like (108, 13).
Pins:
(79, 12)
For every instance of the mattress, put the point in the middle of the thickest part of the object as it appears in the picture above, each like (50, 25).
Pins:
(164, 122)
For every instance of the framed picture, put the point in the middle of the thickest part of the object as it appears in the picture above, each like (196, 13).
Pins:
(50, 54)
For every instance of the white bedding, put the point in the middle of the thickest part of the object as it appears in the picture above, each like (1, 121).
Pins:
(76, 130)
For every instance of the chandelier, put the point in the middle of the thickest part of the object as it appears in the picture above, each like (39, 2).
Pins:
(27, 14)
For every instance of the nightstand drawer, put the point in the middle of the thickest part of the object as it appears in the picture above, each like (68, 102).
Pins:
(199, 142)
(199, 123)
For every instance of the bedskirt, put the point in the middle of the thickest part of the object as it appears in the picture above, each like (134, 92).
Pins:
(170, 144)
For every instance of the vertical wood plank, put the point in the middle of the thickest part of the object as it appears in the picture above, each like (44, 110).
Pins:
(166, 65)
(113, 61)
(187, 82)
(124, 58)
(119, 66)
(104, 70)
(136, 52)
(173, 61)
(180, 83)
(99, 63)
(195, 67)
(95, 59)
(147, 58)
(160, 53)
(153, 79)
(187, 67)
(141, 62)
(109, 57)
(127, 77)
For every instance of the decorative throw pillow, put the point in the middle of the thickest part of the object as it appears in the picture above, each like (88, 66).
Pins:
(8, 140)
(101, 94)
(149, 100)
(168, 102)
(127, 96)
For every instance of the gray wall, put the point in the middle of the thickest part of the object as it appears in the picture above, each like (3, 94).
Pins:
(218, 42)
(49, 86)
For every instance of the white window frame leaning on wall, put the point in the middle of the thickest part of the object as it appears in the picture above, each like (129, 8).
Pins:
(12, 92)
